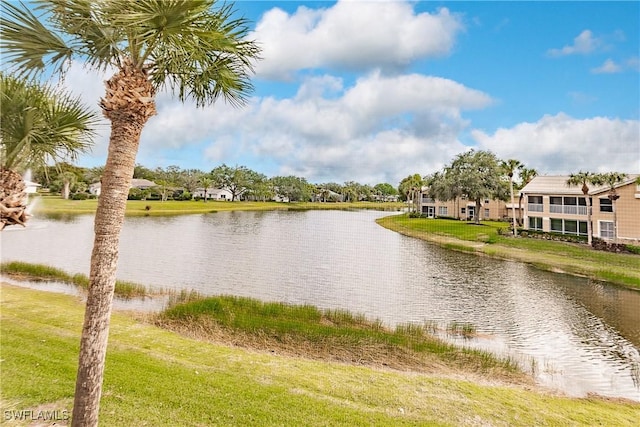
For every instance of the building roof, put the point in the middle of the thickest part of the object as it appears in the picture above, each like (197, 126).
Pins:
(142, 183)
(558, 185)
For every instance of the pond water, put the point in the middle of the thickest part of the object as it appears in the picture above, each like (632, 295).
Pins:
(581, 336)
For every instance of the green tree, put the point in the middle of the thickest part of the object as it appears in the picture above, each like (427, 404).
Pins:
(584, 179)
(477, 175)
(612, 179)
(236, 179)
(411, 187)
(68, 179)
(39, 125)
(526, 175)
(190, 179)
(292, 188)
(510, 168)
(196, 50)
(442, 187)
(259, 187)
(206, 182)
(384, 190)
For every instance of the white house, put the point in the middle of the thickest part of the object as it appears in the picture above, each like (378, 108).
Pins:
(214, 194)
(142, 184)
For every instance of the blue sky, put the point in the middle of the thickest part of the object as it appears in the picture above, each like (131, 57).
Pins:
(374, 91)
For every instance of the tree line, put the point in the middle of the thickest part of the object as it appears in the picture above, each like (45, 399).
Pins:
(243, 183)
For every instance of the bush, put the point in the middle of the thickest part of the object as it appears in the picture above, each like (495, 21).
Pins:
(79, 196)
(185, 195)
(136, 194)
(633, 249)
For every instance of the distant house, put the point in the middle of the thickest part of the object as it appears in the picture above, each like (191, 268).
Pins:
(31, 187)
(464, 208)
(551, 205)
(142, 184)
(214, 194)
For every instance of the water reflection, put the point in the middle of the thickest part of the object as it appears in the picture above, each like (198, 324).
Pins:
(580, 335)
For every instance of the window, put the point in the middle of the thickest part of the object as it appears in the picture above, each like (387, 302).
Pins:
(534, 203)
(569, 226)
(535, 223)
(582, 225)
(486, 213)
(443, 211)
(486, 201)
(555, 204)
(606, 205)
(606, 230)
(535, 199)
(463, 210)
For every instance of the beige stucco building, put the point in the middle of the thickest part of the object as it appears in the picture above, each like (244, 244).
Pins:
(551, 205)
(463, 208)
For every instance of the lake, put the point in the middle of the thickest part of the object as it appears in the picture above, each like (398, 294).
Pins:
(578, 335)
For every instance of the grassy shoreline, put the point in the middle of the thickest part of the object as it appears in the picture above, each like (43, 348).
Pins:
(157, 377)
(52, 206)
(561, 257)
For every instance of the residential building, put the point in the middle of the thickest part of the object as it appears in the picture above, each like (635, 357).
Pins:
(220, 194)
(550, 205)
(142, 184)
(464, 208)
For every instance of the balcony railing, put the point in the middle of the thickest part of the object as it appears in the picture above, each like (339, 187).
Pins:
(535, 207)
(567, 209)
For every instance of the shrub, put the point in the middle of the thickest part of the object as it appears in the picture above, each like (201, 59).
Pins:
(79, 196)
(633, 249)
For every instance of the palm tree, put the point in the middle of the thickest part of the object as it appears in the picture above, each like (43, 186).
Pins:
(612, 179)
(206, 183)
(526, 175)
(68, 179)
(510, 167)
(584, 179)
(193, 48)
(39, 125)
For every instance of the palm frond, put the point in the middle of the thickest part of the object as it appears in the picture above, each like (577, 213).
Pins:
(29, 44)
(41, 124)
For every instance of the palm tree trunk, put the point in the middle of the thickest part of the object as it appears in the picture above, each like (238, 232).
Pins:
(128, 107)
(589, 227)
(520, 220)
(513, 208)
(66, 189)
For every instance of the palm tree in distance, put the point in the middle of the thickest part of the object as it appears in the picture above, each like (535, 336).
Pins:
(612, 179)
(195, 49)
(584, 179)
(206, 183)
(510, 167)
(39, 125)
(526, 175)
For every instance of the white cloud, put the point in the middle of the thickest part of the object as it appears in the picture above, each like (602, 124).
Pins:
(380, 128)
(561, 144)
(584, 43)
(608, 67)
(352, 35)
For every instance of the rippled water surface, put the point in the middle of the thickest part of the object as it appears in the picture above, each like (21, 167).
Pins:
(579, 336)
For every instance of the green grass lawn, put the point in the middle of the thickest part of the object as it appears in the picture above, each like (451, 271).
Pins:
(54, 205)
(155, 377)
(565, 257)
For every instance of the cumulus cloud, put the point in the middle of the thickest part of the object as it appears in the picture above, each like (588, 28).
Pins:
(352, 35)
(375, 130)
(583, 44)
(561, 144)
(608, 67)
